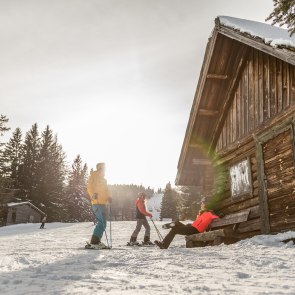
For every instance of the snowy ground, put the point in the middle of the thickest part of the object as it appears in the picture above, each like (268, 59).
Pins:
(52, 261)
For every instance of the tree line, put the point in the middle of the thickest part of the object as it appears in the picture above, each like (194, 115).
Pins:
(33, 168)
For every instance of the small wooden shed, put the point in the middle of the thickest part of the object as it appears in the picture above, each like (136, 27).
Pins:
(242, 123)
(23, 212)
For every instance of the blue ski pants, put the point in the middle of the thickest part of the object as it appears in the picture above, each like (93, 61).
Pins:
(100, 212)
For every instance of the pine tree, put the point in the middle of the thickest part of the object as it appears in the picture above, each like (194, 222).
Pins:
(50, 176)
(28, 172)
(189, 201)
(168, 207)
(78, 203)
(13, 156)
(3, 128)
(284, 14)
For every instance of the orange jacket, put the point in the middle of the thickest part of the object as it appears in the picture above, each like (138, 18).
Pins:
(203, 221)
(141, 208)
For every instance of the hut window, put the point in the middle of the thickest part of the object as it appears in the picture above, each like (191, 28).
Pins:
(240, 177)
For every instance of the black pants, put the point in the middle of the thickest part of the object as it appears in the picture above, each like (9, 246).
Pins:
(179, 229)
(42, 225)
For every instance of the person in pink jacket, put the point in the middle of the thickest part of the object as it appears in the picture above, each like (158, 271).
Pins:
(201, 223)
(141, 214)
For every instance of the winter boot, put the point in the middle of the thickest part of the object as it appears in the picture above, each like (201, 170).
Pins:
(95, 240)
(96, 244)
(147, 241)
(159, 244)
(169, 225)
(133, 242)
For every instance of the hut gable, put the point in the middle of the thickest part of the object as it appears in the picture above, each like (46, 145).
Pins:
(238, 53)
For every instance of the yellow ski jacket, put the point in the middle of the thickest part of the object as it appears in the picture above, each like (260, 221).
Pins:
(97, 189)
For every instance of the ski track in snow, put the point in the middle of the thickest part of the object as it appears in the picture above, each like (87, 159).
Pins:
(53, 261)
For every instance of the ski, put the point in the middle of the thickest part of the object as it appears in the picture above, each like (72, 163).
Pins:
(88, 246)
(142, 244)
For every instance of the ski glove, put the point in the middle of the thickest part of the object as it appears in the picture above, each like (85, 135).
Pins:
(94, 197)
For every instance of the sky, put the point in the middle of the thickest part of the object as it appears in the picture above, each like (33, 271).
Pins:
(114, 79)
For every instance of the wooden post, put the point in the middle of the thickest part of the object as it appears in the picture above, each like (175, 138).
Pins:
(262, 191)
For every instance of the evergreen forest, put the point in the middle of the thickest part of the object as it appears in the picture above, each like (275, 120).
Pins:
(34, 168)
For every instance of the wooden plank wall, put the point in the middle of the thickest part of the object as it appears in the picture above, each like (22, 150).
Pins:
(5, 197)
(266, 88)
(23, 212)
(279, 172)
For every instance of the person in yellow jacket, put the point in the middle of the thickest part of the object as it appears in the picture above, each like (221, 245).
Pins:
(99, 195)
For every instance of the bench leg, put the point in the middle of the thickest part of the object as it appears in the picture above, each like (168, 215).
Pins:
(226, 240)
(189, 244)
(217, 241)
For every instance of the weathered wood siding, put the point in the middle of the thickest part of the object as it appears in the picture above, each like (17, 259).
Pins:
(5, 198)
(279, 171)
(23, 213)
(266, 88)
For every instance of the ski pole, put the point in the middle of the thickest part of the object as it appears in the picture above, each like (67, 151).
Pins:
(111, 241)
(158, 232)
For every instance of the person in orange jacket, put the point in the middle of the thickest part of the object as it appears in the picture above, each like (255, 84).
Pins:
(202, 222)
(141, 214)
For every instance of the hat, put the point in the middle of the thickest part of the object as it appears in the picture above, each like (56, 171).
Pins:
(142, 194)
(100, 166)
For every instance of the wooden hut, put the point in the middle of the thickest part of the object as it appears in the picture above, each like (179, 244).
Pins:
(242, 123)
(23, 212)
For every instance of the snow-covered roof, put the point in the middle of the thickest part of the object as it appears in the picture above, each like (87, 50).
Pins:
(12, 204)
(271, 35)
(16, 204)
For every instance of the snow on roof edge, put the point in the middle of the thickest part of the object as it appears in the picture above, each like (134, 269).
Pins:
(24, 203)
(271, 35)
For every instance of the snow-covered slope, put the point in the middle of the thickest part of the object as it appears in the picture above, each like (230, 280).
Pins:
(52, 261)
(154, 205)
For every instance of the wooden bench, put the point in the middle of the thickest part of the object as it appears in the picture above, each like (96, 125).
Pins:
(221, 230)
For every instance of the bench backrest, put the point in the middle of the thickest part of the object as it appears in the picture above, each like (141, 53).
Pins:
(235, 218)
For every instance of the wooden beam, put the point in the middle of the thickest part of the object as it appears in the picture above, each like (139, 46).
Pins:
(196, 146)
(262, 194)
(209, 113)
(205, 162)
(215, 76)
